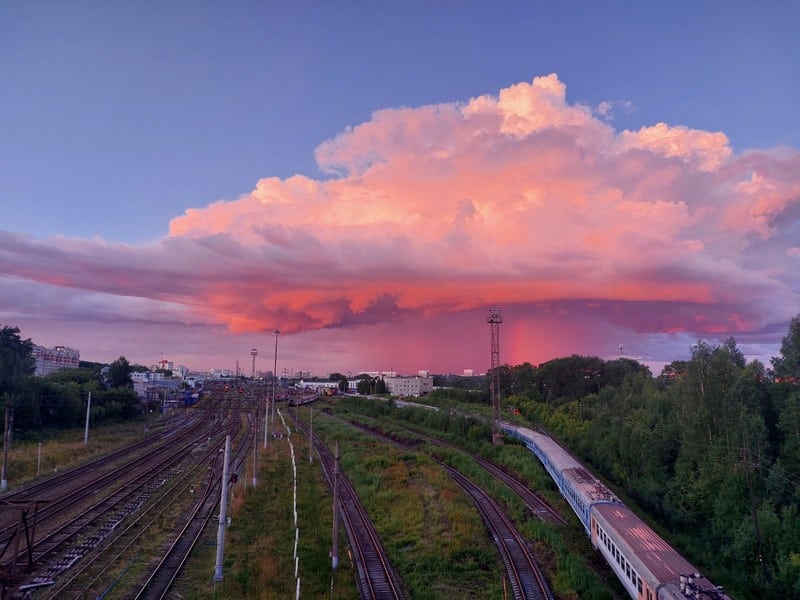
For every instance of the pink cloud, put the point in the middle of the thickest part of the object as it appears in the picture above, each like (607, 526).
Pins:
(516, 199)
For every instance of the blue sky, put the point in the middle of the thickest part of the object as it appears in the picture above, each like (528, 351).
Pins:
(116, 118)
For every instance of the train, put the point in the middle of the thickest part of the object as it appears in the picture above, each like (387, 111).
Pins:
(646, 565)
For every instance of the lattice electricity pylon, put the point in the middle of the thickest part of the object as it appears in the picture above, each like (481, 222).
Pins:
(494, 319)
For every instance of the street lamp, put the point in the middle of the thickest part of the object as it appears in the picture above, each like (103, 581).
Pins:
(274, 374)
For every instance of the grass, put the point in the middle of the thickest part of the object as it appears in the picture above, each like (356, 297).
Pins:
(431, 530)
(64, 449)
(259, 543)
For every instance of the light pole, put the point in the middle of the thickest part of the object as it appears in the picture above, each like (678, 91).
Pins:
(255, 447)
(266, 420)
(274, 374)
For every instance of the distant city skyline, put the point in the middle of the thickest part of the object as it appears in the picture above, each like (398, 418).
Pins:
(370, 179)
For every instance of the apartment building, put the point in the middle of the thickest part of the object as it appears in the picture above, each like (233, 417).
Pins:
(53, 359)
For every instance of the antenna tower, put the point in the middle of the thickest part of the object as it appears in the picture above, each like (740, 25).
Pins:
(254, 353)
(494, 319)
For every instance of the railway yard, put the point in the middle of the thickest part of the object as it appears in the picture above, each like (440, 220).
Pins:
(422, 516)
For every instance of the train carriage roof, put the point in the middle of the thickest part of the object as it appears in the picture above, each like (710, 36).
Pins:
(559, 457)
(651, 550)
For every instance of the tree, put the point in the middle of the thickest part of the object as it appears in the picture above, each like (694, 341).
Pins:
(119, 373)
(16, 359)
(787, 365)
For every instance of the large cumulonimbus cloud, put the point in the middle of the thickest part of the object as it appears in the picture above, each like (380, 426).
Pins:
(517, 198)
(520, 198)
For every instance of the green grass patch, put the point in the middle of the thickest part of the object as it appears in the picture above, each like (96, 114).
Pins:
(259, 543)
(64, 449)
(431, 530)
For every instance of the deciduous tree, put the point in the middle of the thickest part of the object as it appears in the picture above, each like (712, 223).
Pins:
(119, 373)
(16, 359)
(787, 365)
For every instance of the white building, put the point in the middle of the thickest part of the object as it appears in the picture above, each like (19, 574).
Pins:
(408, 386)
(142, 376)
(53, 359)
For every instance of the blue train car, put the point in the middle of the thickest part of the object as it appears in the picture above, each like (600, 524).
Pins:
(580, 489)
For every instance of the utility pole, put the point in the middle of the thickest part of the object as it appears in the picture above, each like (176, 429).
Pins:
(88, 412)
(255, 447)
(311, 433)
(9, 423)
(222, 510)
(266, 421)
(335, 541)
(494, 319)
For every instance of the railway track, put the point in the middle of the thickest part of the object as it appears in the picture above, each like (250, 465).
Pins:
(377, 579)
(57, 488)
(535, 504)
(91, 577)
(526, 578)
(79, 521)
(70, 515)
(160, 580)
(100, 573)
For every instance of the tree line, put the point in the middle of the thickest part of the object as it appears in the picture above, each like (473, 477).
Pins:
(59, 399)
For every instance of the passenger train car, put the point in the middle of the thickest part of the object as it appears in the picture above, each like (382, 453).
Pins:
(648, 567)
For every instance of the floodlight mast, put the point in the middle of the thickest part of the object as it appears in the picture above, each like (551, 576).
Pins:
(494, 319)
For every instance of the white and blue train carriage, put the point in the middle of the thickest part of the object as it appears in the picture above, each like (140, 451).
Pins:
(648, 567)
(575, 483)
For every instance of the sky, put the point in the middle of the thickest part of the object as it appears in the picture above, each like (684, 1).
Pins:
(178, 180)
